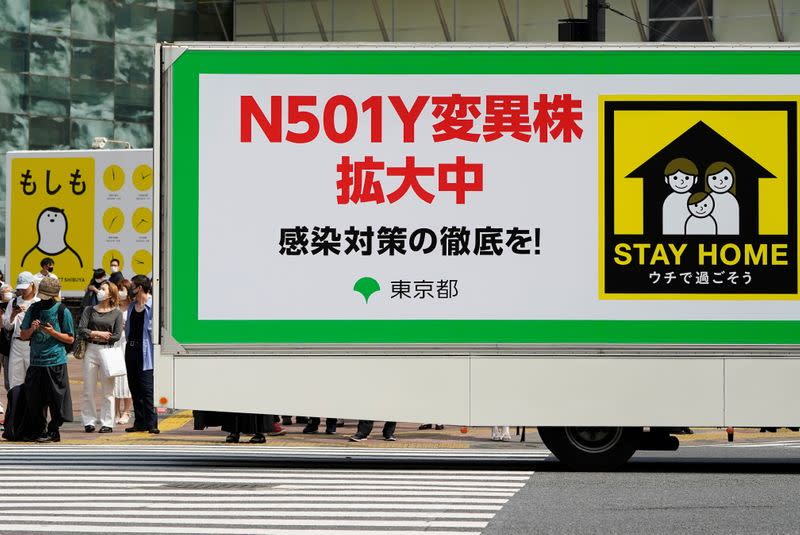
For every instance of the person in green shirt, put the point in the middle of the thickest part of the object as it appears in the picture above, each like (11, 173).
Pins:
(49, 327)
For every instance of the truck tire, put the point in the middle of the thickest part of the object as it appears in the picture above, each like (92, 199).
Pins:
(592, 448)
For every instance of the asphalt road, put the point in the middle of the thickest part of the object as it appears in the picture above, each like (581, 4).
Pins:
(737, 488)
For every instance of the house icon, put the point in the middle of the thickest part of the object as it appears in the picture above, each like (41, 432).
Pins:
(702, 145)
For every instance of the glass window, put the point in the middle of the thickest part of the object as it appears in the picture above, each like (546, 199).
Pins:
(360, 20)
(140, 135)
(136, 24)
(48, 95)
(15, 15)
(49, 133)
(678, 30)
(92, 59)
(83, 132)
(13, 52)
(477, 20)
(92, 99)
(13, 93)
(49, 55)
(50, 17)
(665, 9)
(301, 22)
(208, 21)
(418, 20)
(183, 5)
(133, 64)
(13, 132)
(93, 19)
(176, 25)
(133, 103)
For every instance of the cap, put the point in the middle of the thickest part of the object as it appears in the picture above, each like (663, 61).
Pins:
(24, 280)
(49, 287)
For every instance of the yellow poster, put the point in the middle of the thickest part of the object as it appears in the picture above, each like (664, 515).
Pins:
(52, 215)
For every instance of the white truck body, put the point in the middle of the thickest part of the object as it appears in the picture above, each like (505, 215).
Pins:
(599, 316)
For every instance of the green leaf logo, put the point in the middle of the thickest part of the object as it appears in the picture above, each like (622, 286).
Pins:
(366, 286)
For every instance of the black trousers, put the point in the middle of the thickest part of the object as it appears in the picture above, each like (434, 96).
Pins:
(365, 428)
(47, 388)
(140, 383)
(330, 423)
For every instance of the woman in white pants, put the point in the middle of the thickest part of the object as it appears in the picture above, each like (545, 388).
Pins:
(101, 327)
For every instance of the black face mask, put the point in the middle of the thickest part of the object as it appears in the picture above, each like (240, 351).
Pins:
(49, 268)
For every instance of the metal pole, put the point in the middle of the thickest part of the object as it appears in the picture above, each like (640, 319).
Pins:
(442, 20)
(639, 23)
(270, 25)
(506, 20)
(318, 18)
(776, 21)
(381, 24)
(701, 5)
(597, 20)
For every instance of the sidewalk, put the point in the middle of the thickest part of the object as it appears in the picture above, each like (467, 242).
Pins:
(177, 428)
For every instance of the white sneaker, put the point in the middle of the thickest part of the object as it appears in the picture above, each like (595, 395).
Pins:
(505, 437)
(495, 437)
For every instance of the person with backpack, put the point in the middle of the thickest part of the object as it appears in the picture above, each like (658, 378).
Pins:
(50, 328)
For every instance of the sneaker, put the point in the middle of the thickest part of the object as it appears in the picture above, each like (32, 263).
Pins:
(106, 429)
(330, 430)
(135, 429)
(495, 437)
(232, 438)
(124, 419)
(88, 428)
(310, 430)
(439, 427)
(154, 430)
(278, 432)
(52, 436)
(424, 427)
(258, 438)
(357, 438)
(505, 437)
(390, 438)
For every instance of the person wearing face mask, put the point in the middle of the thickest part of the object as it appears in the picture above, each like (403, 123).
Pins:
(19, 355)
(101, 327)
(47, 264)
(6, 295)
(139, 356)
(90, 296)
(123, 404)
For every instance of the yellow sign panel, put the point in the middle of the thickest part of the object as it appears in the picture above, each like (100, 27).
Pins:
(52, 215)
(699, 197)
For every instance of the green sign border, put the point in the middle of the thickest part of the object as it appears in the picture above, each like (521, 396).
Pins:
(188, 329)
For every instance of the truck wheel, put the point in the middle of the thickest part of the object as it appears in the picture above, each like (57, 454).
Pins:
(592, 448)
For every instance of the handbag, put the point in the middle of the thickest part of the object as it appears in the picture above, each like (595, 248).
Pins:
(79, 349)
(113, 361)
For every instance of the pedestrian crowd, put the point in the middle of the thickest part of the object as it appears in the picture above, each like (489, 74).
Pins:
(113, 337)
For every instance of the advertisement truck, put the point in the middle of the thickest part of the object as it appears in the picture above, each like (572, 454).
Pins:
(600, 242)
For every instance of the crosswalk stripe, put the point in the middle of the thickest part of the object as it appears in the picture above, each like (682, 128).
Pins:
(200, 515)
(126, 492)
(194, 530)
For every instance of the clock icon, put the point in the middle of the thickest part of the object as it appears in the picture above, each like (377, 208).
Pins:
(142, 220)
(142, 262)
(113, 177)
(113, 220)
(113, 254)
(143, 177)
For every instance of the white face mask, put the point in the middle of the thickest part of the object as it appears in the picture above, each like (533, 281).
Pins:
(102, 295)
(114, 269)
(8, 296)
(123, 295)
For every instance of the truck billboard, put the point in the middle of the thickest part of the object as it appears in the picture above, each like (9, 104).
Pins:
(81, 208)
(483, 196)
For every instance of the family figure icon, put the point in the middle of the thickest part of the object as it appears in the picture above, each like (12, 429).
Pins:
(715, 210)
